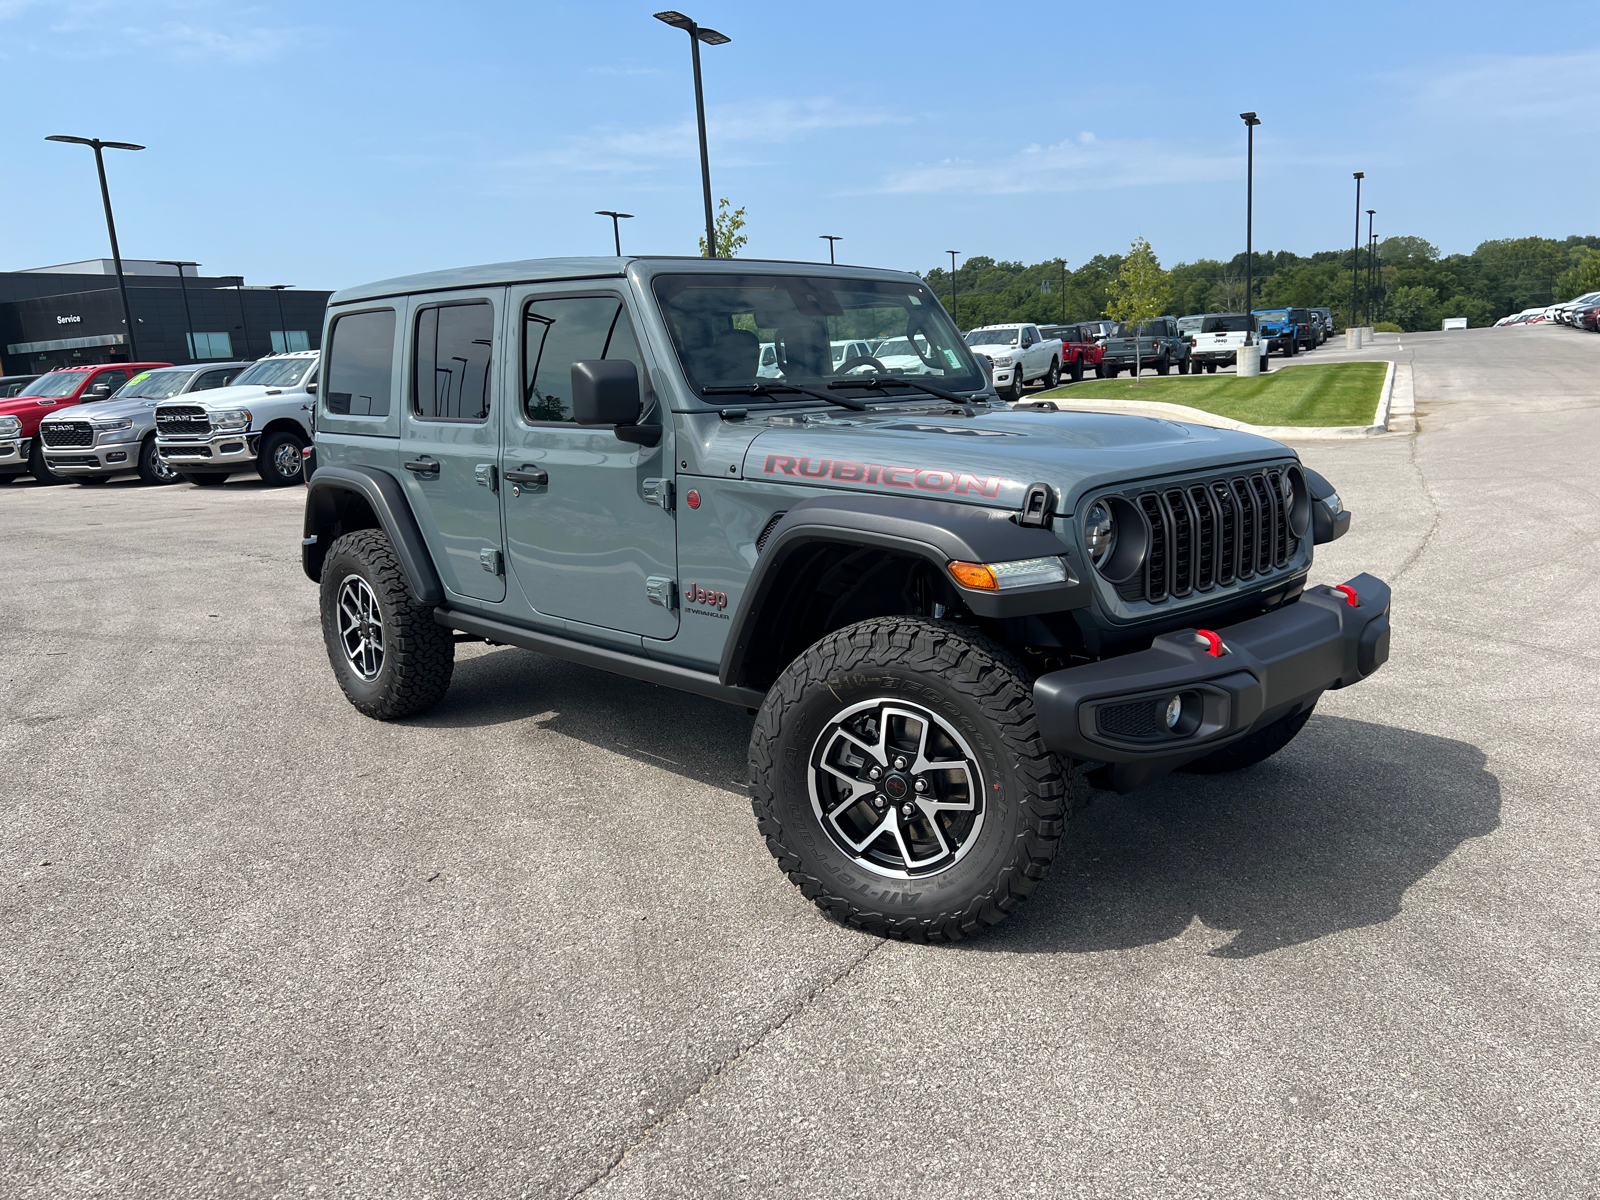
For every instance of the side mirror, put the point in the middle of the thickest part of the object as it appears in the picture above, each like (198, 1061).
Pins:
(312, 387)
(605, 392)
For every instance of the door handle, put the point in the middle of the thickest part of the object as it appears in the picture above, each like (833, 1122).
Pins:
(528, 476)
(422, 466)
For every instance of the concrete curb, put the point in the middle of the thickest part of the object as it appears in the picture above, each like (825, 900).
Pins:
(1197, 416)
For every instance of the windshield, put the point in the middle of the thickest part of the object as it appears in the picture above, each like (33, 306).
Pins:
(275, 372)
(993, 337)
(154, 385)
(1232, 323)
(745, 329)
(57, 383)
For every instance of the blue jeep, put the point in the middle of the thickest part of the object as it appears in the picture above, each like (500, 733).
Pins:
(1286, 330)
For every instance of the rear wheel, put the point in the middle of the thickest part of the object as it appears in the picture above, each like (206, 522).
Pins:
(1258, 747)
(154, 469)
(279, 462)
(898, 776)
(1053, 375)
(1109, 370)
(1211, 368)
(1077, 370)
(391, 658)
(1294, 348)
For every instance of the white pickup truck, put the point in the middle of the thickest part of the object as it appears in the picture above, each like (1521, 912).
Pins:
(1018, 354)
(260, 423)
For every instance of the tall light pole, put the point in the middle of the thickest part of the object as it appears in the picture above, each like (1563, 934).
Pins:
(616, 236)
(1371, 212)
(1063, 263)
(283, 325)
(183, 286)
(1250, 123)
(831, 239)
(698, 34)
(953, 317)
(97, 146)
(1355, 261)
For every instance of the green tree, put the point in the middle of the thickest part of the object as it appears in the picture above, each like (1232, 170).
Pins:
(1413, 308)
(1580, 278)
(730, 239)
(1140, 292)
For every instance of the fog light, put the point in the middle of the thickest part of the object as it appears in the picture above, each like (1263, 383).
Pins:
(1174, 712)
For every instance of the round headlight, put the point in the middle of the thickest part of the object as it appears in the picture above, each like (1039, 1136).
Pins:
(1099, 533)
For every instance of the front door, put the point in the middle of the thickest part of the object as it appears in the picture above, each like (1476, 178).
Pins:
(592, 542)
(449, 441)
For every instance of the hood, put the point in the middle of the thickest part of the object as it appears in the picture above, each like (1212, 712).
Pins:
(989, 459)
(237, 397)
(102, 409)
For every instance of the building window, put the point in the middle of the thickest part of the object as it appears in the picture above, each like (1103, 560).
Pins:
(287, 341)
(209, 345)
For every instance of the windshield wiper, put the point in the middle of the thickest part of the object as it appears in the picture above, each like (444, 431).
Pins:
(872, 382)
(762, 388)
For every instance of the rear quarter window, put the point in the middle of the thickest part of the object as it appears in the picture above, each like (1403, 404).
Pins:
(357, 393)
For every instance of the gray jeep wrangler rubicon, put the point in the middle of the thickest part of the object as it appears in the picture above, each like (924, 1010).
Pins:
(950, 616)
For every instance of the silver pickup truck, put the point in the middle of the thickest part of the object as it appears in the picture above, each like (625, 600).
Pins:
(118, 435)
(260, 423)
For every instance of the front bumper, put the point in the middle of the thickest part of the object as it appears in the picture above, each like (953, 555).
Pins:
(220, 451)
(1112, 712)
(14, 455)
(113, 458)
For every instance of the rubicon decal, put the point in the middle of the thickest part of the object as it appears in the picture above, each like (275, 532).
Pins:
(924, 479)
(693, 593)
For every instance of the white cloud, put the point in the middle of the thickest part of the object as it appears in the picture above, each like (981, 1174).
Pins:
(1519, 88)
(186, 30)
(1069, 166)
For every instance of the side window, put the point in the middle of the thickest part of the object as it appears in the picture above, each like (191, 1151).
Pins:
(558, 333)
(215, 379)
(360, 364)
(450, 365)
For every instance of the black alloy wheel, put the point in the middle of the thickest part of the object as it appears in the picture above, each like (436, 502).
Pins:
(898, 776)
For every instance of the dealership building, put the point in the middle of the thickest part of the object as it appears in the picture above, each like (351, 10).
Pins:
(71, 315)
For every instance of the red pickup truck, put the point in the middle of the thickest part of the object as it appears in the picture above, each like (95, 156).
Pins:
(1079, 350)
(20, 452)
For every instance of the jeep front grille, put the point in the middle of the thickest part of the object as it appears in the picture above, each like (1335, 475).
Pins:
(182, 419)
(67, 433)
(1211, 534)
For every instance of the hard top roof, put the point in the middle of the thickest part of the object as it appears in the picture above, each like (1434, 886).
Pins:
(546, 270)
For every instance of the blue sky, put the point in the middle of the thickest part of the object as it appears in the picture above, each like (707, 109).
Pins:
(328, 144)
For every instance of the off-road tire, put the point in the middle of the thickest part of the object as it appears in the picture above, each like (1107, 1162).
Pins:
(1258, 747)
(38, 468)
(1164, 366)
(962, 679)
(273, 448)
(208, 479)
(418, 653)
(1077, 370)
(1211, 368)
(1294, 348)
(150, 465)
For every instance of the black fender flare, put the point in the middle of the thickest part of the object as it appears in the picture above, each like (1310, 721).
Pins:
(935, 531)
(329, 493)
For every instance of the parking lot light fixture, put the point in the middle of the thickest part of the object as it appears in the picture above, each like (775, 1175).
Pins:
(698, 34)
(97, 146)
(616, 236)
(282, 324)
(953, 317)
(1355, 259)
(1250, 123)
(183, 286)
(831, 239)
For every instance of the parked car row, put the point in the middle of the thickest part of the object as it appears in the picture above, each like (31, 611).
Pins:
(1581, 312)
(201, 422)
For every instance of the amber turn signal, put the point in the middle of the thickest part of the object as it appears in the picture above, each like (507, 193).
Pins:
(973, 575)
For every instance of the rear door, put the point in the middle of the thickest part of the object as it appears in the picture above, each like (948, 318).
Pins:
(592, 543)
(448, 436)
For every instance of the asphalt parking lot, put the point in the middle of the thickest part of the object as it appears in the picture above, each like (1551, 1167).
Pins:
(257, 945)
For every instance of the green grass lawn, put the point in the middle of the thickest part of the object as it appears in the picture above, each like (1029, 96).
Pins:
(1320, 394)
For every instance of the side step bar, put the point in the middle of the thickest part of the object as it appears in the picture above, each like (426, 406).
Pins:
(700, 683)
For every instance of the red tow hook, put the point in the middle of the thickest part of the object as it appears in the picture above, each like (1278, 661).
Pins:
(1353, 600)
(1211, 642)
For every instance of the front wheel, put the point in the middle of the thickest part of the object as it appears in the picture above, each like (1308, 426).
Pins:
(898, 776)
(391, 658)
(153, 469)
(38, 468)
(279, 462)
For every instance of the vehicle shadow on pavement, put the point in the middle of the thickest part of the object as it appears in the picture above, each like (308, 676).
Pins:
(700, 739)
(1327, 836)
